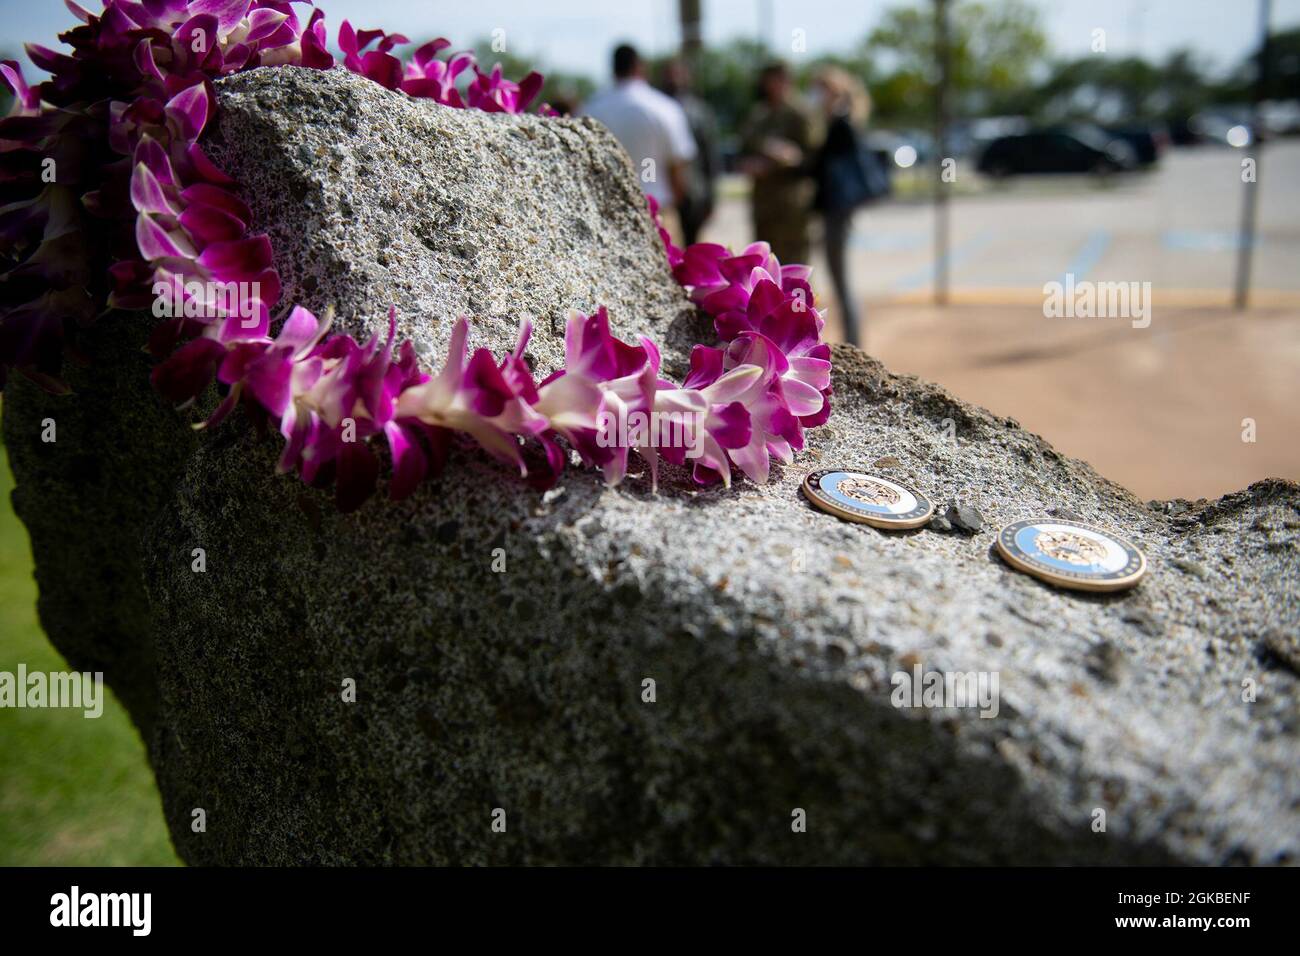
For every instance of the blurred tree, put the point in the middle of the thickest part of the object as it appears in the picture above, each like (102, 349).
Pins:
(724, 77)
(1123, 89)
(1185, 87)
(996, 49)
(1282, 68)
(1000, 66)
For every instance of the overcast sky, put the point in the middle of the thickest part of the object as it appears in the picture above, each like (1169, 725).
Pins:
(576, 35)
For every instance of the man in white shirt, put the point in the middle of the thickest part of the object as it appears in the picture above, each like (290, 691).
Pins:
(651, 126)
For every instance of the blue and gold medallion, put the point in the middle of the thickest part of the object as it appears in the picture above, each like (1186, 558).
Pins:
(857, 496)
(1071, 554)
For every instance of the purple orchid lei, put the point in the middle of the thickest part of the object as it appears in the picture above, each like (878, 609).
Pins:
(137, 202)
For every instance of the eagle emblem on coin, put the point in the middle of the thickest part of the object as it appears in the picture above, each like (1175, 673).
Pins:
(872, 492)
(1070, 547)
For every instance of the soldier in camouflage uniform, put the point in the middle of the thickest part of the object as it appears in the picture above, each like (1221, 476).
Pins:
(779, 139)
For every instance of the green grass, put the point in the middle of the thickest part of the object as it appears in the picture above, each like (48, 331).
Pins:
(73, 791)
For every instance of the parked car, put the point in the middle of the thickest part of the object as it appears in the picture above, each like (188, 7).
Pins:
(985, 129)
(1280, 117)
(1225, 126)
(1076, 149)
(1181, 132)
(899, 150)
(1148, 142)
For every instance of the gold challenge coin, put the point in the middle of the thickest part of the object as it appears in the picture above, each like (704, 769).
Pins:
(1071, 554)
(870, 499)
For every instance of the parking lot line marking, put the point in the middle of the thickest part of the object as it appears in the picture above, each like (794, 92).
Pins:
(888, 241)
(1173, 298)
(955, 255)
(1089, 254)
(1201, 240)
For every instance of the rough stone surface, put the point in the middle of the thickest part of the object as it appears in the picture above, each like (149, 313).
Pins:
(771, 630)
(964, 517)
(373, 199)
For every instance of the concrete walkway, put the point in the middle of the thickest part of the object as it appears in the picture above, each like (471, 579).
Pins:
(1160, 410)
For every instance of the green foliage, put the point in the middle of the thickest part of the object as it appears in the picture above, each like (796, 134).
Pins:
(725, 77)
(1000, 64)
(995, 50)
(73, 791)
(1129, 87)
(1282, 70)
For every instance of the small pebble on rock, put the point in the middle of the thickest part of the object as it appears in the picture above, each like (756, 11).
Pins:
(964, 517)
(1069, 514)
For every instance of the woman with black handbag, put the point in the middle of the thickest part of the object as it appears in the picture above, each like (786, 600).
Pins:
(848, 175)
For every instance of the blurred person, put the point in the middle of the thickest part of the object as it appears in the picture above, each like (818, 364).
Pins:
(703, 171)
(653, 128)
(777, 142)
(847, 175)
(565, 103)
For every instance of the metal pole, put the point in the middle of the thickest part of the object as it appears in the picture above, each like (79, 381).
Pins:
(941, 54)
(1250, 201)
(692, 35)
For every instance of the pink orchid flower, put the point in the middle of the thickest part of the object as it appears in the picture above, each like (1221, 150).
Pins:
(474, 397)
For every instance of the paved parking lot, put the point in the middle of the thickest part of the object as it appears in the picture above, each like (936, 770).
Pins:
(1159, 409)
(1175, 227)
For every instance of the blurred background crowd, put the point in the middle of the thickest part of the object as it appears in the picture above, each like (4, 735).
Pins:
(802, 155)
(815, 138)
